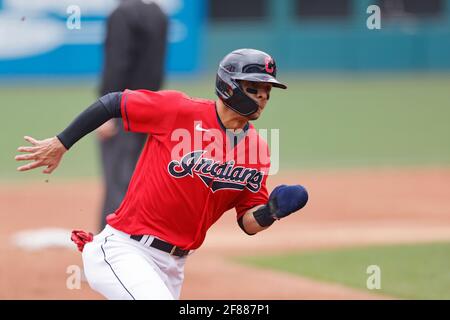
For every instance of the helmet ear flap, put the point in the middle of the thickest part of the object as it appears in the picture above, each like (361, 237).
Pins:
(230, 92)
(225, 89)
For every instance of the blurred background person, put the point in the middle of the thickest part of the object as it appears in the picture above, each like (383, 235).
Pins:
(134, 58)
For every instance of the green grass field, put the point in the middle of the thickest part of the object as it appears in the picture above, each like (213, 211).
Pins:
(339, 121)
(419, 271)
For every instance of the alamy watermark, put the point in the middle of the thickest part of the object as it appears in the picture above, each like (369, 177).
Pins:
(210, 147)
(374, 20)
(73, 21)
(374, 280)
(73, 281)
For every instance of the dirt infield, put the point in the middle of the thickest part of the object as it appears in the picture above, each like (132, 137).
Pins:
(346, 208)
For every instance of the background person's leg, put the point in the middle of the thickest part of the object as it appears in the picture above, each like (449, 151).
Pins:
(119, 156)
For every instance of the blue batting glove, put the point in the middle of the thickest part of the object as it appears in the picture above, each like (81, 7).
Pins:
(284, 200)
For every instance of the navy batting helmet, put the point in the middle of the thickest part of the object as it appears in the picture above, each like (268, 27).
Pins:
(249, 65)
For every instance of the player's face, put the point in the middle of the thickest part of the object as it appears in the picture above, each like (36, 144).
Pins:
(258, 91)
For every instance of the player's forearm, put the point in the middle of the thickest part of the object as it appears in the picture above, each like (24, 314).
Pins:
(104, 109)
(250, 224)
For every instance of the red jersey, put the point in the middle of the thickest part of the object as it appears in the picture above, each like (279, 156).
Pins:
(189, 172)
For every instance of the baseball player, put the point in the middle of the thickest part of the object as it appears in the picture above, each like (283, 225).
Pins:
(198, 162)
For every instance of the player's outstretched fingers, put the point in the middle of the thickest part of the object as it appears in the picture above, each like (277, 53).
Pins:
(27, 149)
(30, 166)
(49, 169)
(46, 152)
(31, 140)
(23, 157)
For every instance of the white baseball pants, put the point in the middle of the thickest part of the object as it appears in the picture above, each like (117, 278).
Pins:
(119, 267)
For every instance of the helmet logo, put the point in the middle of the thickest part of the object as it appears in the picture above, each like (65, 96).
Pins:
(270, 65)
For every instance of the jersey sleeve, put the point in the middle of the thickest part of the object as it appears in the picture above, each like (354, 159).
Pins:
(250, 199)
(151, 112)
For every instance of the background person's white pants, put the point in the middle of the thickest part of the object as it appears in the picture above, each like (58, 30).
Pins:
(122, 268)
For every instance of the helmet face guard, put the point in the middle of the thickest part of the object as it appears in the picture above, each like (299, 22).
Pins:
(248, 65)
(230, 91)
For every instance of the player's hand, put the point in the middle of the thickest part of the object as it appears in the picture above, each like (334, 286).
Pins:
(285, 200)
(46, 152)
(107, 130)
